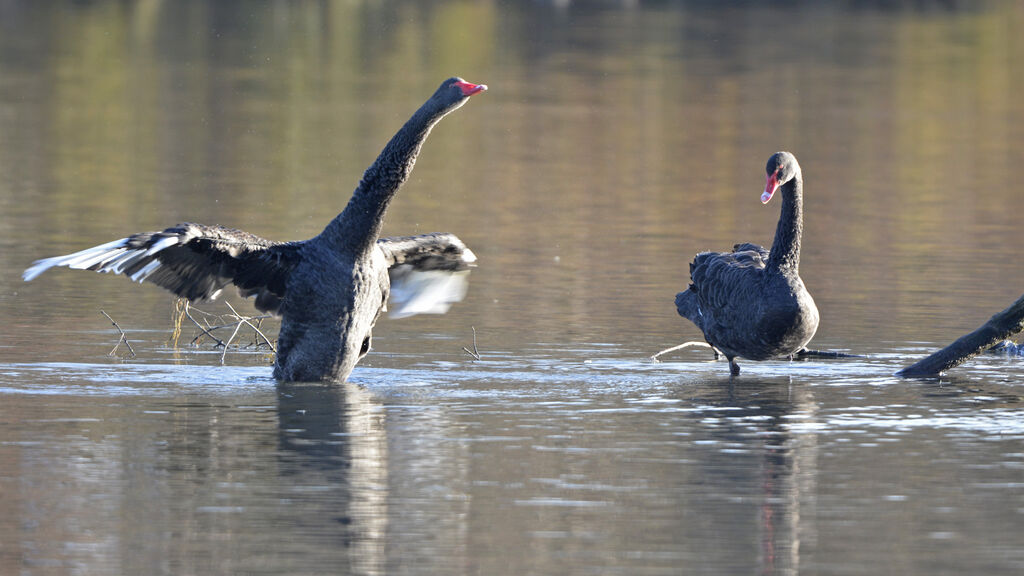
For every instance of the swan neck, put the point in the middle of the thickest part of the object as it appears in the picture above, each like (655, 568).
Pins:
(357, 228)
(785, 252)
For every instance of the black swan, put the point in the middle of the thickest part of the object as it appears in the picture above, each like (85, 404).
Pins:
(751, 302)
(328, 290)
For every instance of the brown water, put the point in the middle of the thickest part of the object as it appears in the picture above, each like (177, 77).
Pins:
(614, 143)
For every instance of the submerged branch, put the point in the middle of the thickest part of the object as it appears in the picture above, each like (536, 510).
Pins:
(474, 353)
(200, 326)
(998, 327)
(802, 353)
(224, 353)
(684, 345)
(807, 353)
(123, 338)
(246, 320)
(207, 329)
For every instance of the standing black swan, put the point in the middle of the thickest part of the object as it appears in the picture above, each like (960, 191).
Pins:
(751, 302)
(328, 290)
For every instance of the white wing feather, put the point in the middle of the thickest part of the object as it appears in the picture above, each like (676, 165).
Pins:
(105, 253)
(425, 292)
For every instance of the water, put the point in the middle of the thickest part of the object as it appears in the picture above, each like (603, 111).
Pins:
(615, 142)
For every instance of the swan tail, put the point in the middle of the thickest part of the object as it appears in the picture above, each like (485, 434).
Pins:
(688, 306)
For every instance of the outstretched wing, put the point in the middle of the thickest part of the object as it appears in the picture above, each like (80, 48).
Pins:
(428, 273)
(193, 261)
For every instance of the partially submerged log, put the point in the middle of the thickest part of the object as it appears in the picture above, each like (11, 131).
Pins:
(998, 327)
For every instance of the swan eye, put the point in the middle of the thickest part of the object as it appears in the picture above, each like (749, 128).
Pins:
(365, 347)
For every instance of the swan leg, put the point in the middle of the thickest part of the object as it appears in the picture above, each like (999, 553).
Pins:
(734, 368)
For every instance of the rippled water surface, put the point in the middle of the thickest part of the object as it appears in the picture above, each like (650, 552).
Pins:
(616, 140)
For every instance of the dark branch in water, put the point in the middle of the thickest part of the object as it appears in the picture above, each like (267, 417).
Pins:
(123, 338)
(474, 353)
(998, 327)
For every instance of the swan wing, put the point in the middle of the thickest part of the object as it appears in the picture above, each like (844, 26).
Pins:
(724, 286)
(193, 261)
(428, 273)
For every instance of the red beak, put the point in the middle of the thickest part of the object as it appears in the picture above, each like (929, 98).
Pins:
(470, 89)
(769, 188)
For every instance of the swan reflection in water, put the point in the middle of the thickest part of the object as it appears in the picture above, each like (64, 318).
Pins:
(333, 449)
(765, 474)
(373, 476)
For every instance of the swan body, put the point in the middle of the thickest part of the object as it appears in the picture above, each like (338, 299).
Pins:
(751, 302)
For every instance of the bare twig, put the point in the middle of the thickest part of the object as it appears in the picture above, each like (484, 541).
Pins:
(244, 319)
(123, 338)
(474, 353)
(256, 334)
(205, 331)
(808, 353)
(684, 345)
(202, 321)
(238, 326)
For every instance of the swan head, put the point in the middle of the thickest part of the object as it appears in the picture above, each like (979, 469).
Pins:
(454, 92)
(781, 168)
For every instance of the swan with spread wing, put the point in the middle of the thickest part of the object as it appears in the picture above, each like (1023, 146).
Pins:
(328, 290)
